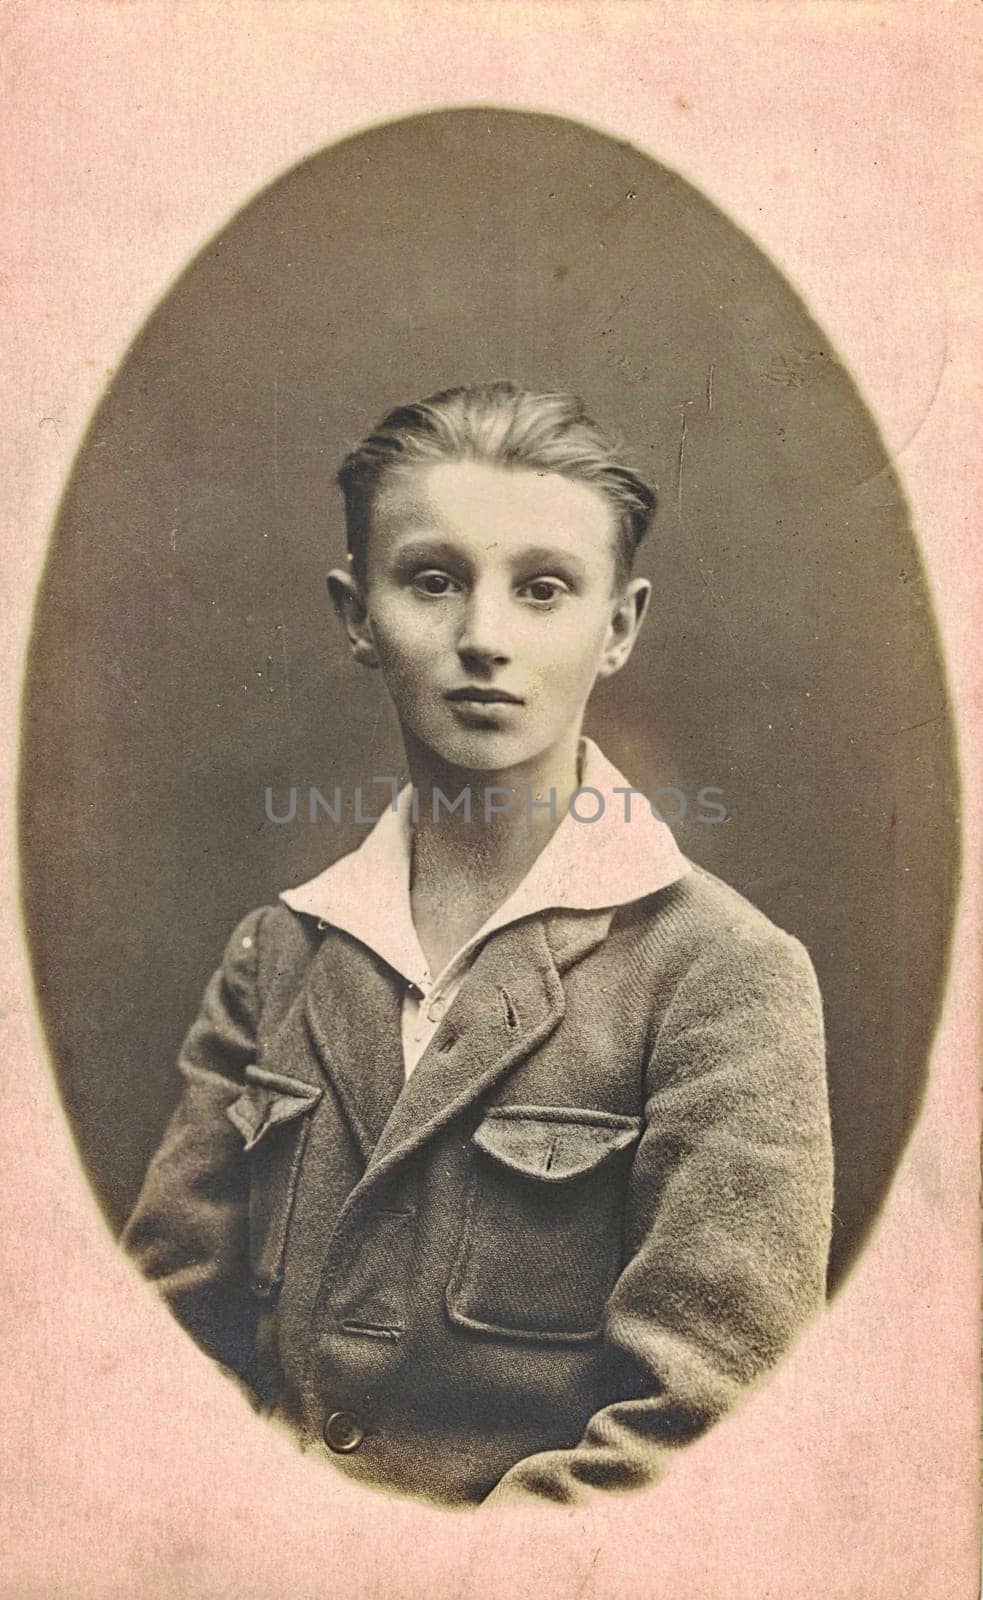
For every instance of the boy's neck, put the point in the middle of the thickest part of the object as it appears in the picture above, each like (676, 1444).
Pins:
(463, 870)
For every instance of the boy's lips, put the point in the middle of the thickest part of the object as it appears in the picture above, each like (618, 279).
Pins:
(480, 694)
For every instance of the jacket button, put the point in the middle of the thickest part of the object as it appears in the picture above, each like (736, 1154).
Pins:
(343, 1431)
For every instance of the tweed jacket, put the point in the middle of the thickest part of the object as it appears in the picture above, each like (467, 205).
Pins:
(596, 1213)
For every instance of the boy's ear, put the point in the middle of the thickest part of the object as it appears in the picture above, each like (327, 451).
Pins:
(626, 619)
(346, 597)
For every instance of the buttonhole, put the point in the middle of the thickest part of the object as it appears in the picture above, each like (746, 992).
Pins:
(549, 1155)
(510, 1014)
(450, 1040)
(372, 1330)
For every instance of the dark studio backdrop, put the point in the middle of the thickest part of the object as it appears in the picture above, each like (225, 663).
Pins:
(184, 657)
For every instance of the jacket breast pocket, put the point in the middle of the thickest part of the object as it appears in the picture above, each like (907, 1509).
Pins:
(542, 1241)
(273, 1114)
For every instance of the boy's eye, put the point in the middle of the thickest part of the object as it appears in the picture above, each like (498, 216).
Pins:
(544, 591)
(434, 583)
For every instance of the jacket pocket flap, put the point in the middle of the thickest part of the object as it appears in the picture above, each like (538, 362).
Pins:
(554, 1144)
(269, 1099)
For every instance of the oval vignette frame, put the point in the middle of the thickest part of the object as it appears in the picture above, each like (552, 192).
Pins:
(182, 661)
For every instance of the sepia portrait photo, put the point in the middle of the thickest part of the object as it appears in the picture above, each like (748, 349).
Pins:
(490, 834)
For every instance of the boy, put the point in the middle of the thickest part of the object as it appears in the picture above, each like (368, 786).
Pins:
(503, 1164)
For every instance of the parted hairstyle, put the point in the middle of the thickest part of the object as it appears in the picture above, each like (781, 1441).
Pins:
(511, 427)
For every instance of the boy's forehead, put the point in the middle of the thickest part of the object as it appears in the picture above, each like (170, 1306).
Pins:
(476, 498)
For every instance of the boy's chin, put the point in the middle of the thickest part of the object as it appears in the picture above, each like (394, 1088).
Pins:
(482, 752)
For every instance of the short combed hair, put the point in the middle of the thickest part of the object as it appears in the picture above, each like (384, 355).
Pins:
(505, 425)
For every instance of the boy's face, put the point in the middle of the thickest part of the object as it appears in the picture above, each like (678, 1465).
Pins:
(490, 604)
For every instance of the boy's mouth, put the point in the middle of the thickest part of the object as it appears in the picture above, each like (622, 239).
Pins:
(481, 695)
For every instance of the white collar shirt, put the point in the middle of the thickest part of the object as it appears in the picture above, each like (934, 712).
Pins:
(619, 852)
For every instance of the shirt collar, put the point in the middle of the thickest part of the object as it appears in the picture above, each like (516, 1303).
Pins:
(585, 866)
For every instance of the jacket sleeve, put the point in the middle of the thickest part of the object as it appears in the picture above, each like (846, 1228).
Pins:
(728, 1217)
(188, 1232)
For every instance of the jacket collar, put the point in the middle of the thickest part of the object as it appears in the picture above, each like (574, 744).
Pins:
(623, 855)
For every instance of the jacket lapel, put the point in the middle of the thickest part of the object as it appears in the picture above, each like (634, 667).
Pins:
(510, 1002)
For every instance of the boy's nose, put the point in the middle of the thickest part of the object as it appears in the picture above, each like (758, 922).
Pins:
(484, 629)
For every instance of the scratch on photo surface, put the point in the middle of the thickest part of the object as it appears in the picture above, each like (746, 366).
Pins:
(276, 440)
(279, 628)
(679, 463)
(932, 398)
(710, 388)
(894, 455)
(588, 1576)
(373, 730)
(912, 727)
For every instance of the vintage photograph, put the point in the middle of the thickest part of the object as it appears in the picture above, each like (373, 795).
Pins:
(539, 1166)
(475, 611)
(491, 997)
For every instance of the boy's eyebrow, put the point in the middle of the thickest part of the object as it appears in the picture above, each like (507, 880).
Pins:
(546, 557)
(428, 548)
